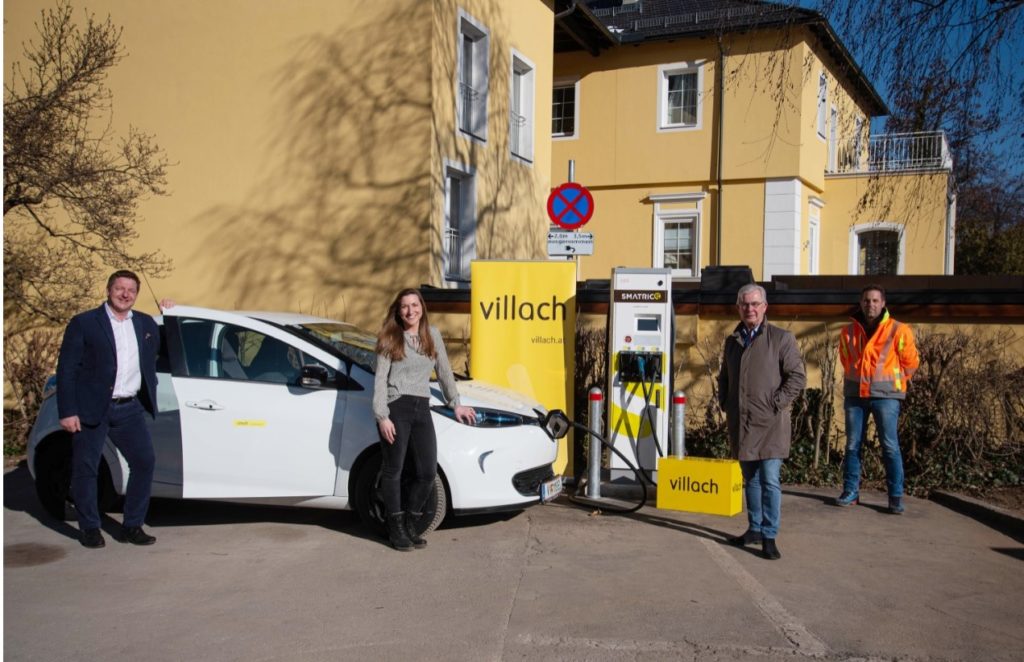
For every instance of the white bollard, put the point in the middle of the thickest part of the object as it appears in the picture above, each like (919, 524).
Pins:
(679, 424)
(594, 422)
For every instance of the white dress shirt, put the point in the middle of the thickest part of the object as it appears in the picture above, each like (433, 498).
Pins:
(129, 377)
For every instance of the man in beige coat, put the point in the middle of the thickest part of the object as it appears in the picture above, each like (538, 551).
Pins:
(762, 373)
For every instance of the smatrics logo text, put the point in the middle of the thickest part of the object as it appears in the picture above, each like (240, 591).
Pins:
(639, 296)
(509, 308)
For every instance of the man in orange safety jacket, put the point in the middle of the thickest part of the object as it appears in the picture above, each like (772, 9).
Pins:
(879, 357)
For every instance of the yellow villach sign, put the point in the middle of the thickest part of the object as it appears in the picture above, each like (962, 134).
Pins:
(700, 485)
(523, 331)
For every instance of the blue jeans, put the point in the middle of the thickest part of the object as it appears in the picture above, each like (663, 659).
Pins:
(886, 412)
(125, 424)
(763, 493)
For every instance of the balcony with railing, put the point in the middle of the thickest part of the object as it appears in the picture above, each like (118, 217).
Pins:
(896, 152)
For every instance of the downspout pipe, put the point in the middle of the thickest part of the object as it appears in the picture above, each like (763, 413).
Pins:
(720, 111)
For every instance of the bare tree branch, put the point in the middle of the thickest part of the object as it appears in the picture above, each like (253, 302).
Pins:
(71, 186)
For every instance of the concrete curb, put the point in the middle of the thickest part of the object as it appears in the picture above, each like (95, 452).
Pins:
(999, 519)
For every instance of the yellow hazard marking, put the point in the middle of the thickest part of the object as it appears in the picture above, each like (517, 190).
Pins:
(250, 424)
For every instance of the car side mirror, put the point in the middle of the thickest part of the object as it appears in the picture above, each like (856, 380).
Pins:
(313, 376)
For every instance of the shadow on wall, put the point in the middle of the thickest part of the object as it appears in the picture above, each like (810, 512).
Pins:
(511, 221)
(350, 204)
(341, 209)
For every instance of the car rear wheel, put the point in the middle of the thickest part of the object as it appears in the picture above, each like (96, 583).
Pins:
(53, 478)
(370, 507)
(53, 481)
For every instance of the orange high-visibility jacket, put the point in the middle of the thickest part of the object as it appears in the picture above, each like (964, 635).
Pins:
(879, 366)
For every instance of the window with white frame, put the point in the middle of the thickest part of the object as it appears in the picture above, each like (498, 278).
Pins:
(473, 78)
(877, 249)
(677, 234)
(565, 114)
(679, 96)
(822, 103)
(521, 121)
(459, 237)
(814, 237)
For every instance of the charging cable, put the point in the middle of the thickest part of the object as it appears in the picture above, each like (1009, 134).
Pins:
(557, 425)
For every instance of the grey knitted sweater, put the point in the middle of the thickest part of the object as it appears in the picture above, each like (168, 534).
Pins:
(411, 375)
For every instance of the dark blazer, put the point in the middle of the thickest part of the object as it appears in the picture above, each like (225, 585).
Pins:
(87, 365)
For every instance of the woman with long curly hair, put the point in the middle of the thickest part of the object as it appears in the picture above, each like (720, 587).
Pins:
(408, 351)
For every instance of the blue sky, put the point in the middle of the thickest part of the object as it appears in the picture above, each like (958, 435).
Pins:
(1008, 143)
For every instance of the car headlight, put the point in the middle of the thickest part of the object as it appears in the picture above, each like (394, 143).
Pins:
(490, 418)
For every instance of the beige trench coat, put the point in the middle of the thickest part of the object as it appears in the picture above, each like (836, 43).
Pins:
(756, 387)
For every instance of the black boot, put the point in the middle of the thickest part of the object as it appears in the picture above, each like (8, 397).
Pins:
(396, 533)
(770, 550)
(412, 529)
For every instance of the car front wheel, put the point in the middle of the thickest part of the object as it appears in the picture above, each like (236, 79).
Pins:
(368, 504)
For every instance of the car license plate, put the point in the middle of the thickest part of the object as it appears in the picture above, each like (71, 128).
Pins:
(550, 489)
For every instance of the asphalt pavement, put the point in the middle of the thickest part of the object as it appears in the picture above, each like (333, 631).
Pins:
(555, 582)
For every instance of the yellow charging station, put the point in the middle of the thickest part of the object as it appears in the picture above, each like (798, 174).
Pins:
(700, 485)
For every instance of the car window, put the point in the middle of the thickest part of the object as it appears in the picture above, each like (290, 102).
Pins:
(197, 347)
(352, 344)
(227, 351)
(266, 359)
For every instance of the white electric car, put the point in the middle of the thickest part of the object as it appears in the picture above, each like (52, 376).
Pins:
(275, 408)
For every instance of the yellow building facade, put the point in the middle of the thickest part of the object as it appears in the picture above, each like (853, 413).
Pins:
(326, 153)
(739, 136)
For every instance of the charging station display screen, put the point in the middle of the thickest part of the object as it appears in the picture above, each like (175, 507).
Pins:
(648, 323)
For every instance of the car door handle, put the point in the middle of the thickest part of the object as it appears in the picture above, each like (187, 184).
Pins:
(205, 405)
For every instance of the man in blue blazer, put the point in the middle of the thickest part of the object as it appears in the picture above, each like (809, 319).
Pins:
(106, 384)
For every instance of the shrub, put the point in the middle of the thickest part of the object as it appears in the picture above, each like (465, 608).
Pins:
(962, 426)
(29, 359)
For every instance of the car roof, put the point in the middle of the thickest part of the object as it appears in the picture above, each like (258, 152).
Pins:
(286, 318)
(274, 317)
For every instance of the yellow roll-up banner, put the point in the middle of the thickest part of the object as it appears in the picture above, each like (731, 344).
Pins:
(700, 485)
(523, 332)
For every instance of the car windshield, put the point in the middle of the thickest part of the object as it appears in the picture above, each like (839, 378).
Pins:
(349, 342)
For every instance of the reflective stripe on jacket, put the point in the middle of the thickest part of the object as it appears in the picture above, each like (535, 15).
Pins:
(879, 366)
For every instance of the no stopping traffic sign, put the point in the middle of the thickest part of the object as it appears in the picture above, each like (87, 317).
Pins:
(570, 206)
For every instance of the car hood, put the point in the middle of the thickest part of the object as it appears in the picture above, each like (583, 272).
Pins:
(474, 393)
